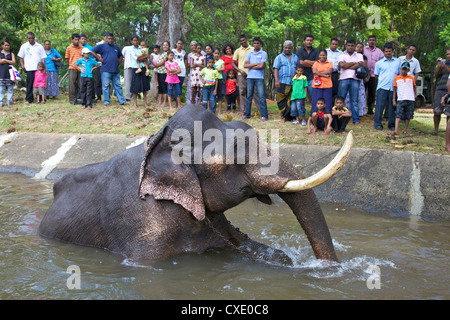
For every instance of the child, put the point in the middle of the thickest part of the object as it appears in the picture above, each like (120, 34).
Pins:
(405, 90)
(298, 96)
(231, 90)
(40, 83)
(173, 82)
(321, 118)
(341, 115)
(86, 65)
(219, 65)
(197, 64)
(210, 81)
(154, 58)
(144, 52)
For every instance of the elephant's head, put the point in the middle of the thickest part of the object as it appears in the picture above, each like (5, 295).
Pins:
(196, 161)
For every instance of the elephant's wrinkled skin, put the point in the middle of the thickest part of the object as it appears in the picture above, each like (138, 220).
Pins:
(166, 209)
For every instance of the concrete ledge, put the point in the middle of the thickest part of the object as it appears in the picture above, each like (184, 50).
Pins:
(403, 182)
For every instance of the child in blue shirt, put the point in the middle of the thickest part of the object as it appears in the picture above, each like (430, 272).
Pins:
(86, 65)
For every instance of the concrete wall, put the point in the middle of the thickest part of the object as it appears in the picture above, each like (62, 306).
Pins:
(403, 182)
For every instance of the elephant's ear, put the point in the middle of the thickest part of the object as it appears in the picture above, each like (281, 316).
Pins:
(165, 180)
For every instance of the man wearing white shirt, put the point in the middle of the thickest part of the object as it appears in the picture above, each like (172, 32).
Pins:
(30, 54)
(413, 62)
(333, 54)
(129, 54)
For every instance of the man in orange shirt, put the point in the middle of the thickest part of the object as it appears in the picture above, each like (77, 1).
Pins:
(73, 53)
(404, 96)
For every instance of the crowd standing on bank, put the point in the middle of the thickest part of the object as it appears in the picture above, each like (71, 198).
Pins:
(341, 85)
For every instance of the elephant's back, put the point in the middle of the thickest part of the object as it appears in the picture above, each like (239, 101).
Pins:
(84, 196)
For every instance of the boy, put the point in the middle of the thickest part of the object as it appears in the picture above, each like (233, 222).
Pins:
(298, 96)
(405, 90)
(341, 115)
(210, 80)
(320, 119)
(87, 64)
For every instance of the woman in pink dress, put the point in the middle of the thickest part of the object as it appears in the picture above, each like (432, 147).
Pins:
(197, 64)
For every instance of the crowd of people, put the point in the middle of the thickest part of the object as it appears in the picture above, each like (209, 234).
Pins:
(341, 85)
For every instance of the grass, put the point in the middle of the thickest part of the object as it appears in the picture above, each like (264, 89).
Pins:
(58, 116)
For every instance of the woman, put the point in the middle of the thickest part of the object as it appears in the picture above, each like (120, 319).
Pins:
(7, 59)
(162, 73)
(228, 50)
(198, 62)
(180, 57)
(322, 86)
(362, 90)
(52, 72)
(139, 81)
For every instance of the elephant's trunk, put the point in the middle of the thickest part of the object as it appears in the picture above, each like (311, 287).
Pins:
(308, 212)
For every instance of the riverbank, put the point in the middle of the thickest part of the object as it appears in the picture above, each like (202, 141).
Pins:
(399, 182)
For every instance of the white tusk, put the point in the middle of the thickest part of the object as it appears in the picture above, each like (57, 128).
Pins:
(326, 173)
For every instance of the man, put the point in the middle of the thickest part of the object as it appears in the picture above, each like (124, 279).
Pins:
(83, 42)
(283, 71)
(385, 72)
(255, 63)
(441, 74)
(128, 53)
(413, 62)
(30, 54)
(349, 61)
(73, 54)
(110, 56)
(333, 54)
(307, 55)
(373, 54)
(238, 64)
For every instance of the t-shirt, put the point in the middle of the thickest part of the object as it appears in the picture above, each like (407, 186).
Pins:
(219, 64)
(256, 57)
(110, 55)
(405, 87)
(171, 78)
(322, 67)
(312, 55)
(73, 54)
(39, 79)
(130, 53)
(31, 55)
(344, 109)
(210, 76)
(349, 73)
(442, 79)
(231, 86)
(239, 56)
(321, 114)
(179, 58)
(298, 87)
(414, 65)
(86, 66)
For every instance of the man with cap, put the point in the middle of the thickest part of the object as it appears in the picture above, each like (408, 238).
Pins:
(404, 96)
(85, 66)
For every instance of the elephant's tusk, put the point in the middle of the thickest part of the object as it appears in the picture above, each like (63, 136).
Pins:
(326, 173)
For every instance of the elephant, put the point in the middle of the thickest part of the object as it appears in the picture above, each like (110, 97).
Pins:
(146, 204)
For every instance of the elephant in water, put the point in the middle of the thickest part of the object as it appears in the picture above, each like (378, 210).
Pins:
(168, 196)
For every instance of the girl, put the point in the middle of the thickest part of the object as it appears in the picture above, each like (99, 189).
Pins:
(6, 59)
(197, 64)
(209, 86)
(40, 83)
(231, 90)
(173, 82)
(219, 65)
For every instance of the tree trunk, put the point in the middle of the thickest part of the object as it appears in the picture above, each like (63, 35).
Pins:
(172, 27)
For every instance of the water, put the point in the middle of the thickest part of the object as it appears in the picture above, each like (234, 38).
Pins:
(407, 257)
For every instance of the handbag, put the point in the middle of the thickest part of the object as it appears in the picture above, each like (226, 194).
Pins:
(362, 72)
(14, 74)
(58, 64)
